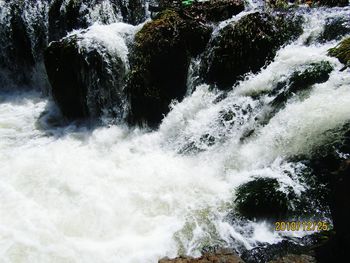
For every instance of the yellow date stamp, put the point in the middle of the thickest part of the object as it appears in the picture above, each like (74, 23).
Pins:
(301, 226)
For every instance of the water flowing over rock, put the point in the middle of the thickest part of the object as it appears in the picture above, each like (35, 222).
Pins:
(23, 38)
(160, 60)
(66, 15)
(27, 27)
(87, 71)
(246, 45)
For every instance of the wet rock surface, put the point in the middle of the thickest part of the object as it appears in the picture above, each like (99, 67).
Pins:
(65, 16)
(207, 258)
(159, 64)
(342, 52)
(246, 46)
(82, 81)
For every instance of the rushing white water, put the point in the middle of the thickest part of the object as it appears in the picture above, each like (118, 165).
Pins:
(115, 194)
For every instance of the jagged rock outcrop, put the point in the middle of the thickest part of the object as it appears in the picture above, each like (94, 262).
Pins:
(160, 61)
(87, 73)
(246, 46)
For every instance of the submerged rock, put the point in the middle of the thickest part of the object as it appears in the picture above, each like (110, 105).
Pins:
(160, 61)
(342, 52)
(246, 46)
(87, 74)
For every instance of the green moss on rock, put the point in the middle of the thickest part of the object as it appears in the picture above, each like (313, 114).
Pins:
(262, 198)
(342, 52)
(160, 59)
(246, 46)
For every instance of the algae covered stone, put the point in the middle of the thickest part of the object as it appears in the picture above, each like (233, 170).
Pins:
(246, 46)
(159, 61)
(342, 52)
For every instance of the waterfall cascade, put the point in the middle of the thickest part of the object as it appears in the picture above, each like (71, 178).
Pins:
(119, 193)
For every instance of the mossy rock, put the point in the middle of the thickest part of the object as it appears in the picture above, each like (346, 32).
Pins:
(335, 29)
(246, 46)
(261, 199)
(215, 10)
(342, 52)
(159, 60)
(301, 80)
(85, 83)
(314, 73)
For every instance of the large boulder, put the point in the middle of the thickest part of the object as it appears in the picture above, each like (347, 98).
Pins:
(342, 51)
(245, 46)
(67, 15)
(160, 61)
(87, 71)
(262, 198)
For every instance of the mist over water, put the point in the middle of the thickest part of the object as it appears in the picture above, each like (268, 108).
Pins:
(75, 193)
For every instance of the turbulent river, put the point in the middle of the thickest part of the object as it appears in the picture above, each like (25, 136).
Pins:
(76, 193)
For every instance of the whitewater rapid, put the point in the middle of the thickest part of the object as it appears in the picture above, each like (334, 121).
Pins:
(75, 193)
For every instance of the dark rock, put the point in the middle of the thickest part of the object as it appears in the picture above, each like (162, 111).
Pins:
(206, 258)
(342, 51)
(215, 10)
(298, 249)
(160, 61)
(335, 29)
(300, 81)
(133, 11)
(340, 208)
(23, 35)
(211, 10)
(246, 46)
(293, 258)
(332, 3)
(262, 199)
(86, 82)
